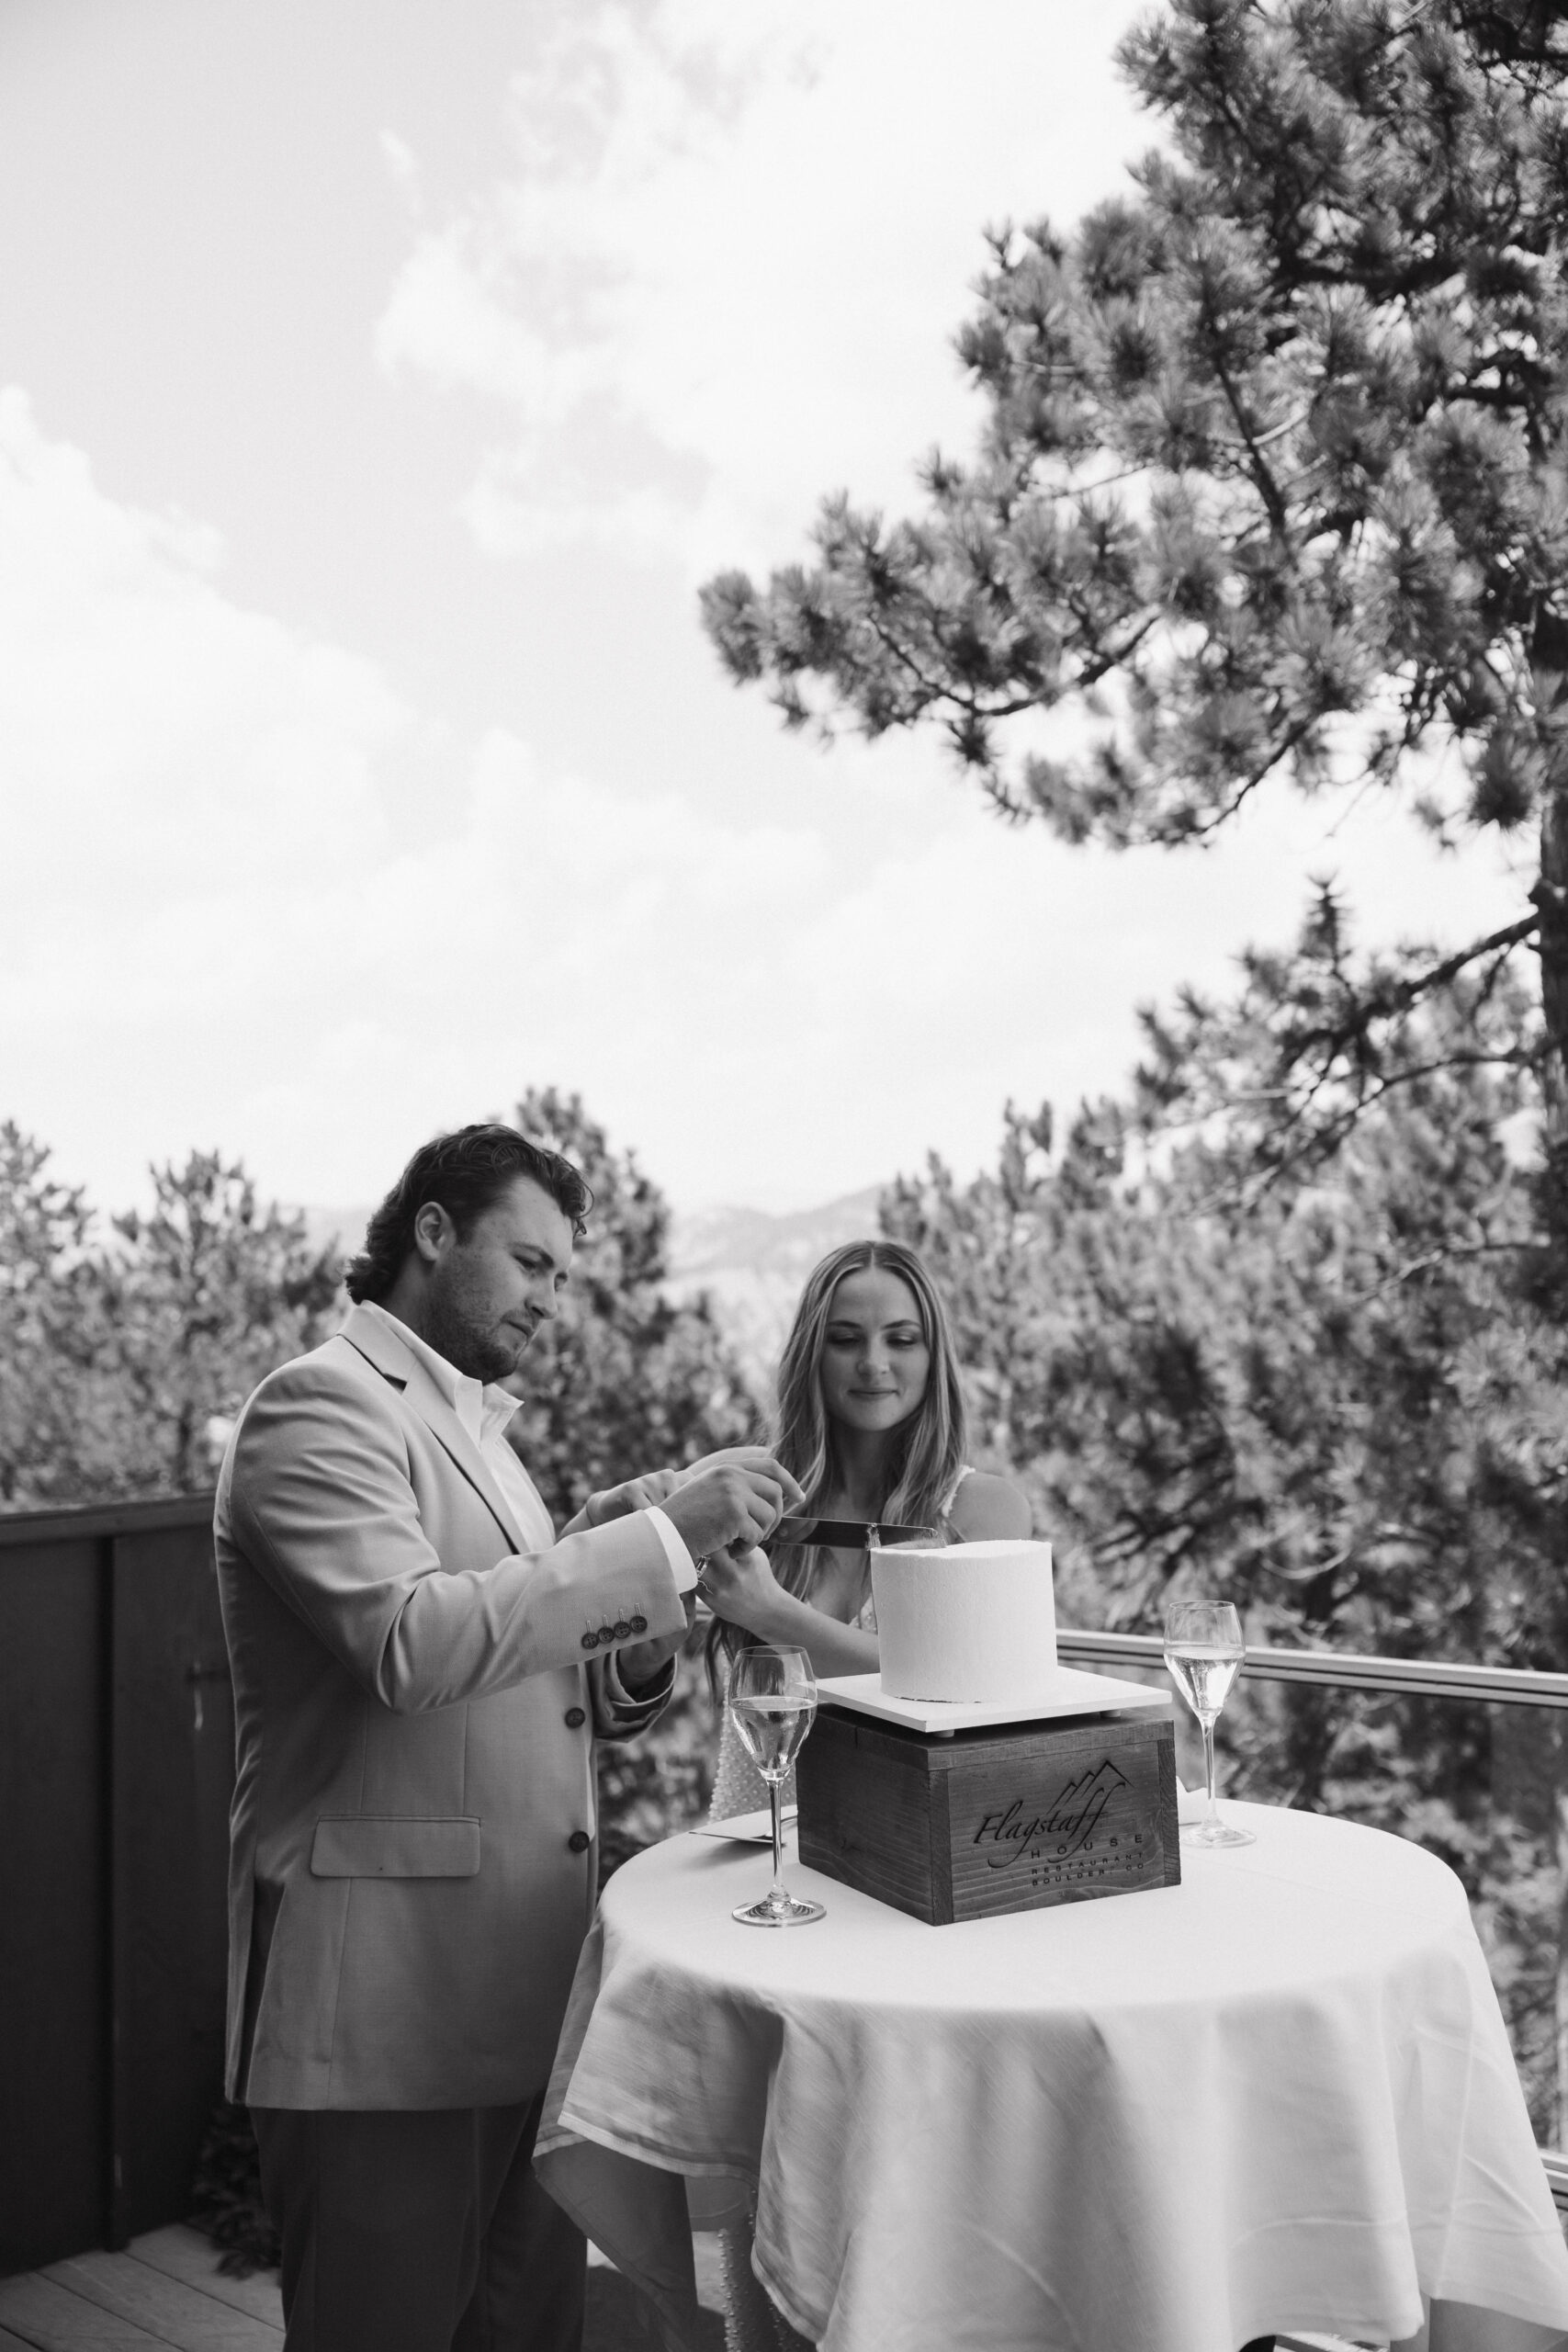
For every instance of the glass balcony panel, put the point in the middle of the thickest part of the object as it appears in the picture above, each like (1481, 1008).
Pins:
(1483, 1784)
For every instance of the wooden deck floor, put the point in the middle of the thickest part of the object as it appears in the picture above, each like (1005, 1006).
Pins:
(166, 2289)
(166, 2293)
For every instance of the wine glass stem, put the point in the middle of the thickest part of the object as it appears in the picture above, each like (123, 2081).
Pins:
(1212, 1816)
(776, 1894)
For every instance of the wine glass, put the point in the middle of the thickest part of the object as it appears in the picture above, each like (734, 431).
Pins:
(772, 1697)
(1203, 1649)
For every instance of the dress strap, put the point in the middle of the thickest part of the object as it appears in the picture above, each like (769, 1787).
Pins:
(944, 1509)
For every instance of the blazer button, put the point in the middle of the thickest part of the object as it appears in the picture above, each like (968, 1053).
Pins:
(579, 1841)
(624, 1630)
(575, 1718)
(590, 1641)
(640, 1624)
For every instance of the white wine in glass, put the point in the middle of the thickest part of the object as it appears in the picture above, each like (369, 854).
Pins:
(1203, 1649)
(772, 1697)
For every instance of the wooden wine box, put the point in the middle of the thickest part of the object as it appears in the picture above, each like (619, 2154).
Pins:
(974, 1824)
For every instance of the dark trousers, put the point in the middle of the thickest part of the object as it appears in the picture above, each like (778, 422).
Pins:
(420, 2231)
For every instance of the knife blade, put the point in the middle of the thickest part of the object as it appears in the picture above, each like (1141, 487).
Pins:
(853, 1535)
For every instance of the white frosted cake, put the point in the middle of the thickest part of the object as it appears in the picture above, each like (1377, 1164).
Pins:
(974, 1624)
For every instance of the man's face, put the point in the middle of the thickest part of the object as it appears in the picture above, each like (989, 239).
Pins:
(488, 1296)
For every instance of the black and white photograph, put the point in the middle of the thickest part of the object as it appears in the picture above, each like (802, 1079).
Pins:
(783, 1176)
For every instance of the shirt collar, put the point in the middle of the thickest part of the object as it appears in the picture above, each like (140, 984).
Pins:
(481, 1408)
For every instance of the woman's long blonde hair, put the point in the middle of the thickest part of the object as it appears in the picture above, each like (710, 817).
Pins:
(929, 1447)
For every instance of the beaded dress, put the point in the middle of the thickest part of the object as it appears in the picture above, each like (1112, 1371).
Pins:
(737, 1786)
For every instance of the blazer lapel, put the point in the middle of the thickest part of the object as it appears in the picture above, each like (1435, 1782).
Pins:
(383, 1349)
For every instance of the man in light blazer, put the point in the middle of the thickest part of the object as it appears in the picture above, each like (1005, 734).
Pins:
(420, 1670)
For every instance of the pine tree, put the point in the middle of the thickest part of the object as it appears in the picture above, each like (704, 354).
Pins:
(1272, 492)
(206, 1293)
(50, 1329)
(122, 1360)
(623, 1380)
(1332, 1407)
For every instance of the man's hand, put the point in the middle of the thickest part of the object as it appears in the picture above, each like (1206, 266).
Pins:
(734, 1498)
(738, 1500)
(655, 1487)
(747, 1457)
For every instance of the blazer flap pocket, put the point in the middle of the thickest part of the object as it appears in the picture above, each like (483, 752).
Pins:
(379, 1846)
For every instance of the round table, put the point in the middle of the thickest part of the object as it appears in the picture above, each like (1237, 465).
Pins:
(1279, 2096)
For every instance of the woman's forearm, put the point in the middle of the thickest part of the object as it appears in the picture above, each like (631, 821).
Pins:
(832, 1648)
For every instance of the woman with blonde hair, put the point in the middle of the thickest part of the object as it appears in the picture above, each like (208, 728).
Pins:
(871, 1421)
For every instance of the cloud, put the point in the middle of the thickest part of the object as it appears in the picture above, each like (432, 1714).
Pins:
(226, 924)
(219, 929)
(721, 274)
(153, 733)
(402, 167)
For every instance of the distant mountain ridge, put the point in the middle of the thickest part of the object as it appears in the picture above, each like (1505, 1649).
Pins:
(724, 1236)
(752, 1264)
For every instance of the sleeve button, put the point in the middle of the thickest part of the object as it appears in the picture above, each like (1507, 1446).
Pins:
(590, 1641)
(579, 1841)
(575, 1718)
(640, 1624)
(623, 1630)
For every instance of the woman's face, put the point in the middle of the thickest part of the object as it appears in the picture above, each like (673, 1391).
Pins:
(876, 1361)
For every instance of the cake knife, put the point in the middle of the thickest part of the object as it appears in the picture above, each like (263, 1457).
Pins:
(853, 1535)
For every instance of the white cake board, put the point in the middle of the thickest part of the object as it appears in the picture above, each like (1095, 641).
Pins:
(1069, 1692)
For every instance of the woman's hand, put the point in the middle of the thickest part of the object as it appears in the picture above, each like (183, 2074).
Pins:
(742, 1589)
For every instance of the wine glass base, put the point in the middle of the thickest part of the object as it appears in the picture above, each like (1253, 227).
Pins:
(791, 1913)
(1208, 1834)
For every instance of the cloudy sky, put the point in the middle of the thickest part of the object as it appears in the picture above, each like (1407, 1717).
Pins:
(381, 380)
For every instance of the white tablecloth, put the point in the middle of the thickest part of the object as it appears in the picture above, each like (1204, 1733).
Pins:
(1278, 2096)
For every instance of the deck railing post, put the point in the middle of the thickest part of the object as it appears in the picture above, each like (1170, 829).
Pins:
(117, 1901)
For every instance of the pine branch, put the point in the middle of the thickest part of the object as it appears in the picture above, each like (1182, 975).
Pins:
(1447, 1255)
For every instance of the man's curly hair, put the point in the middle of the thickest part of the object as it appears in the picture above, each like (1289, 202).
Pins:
(465, 1173)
